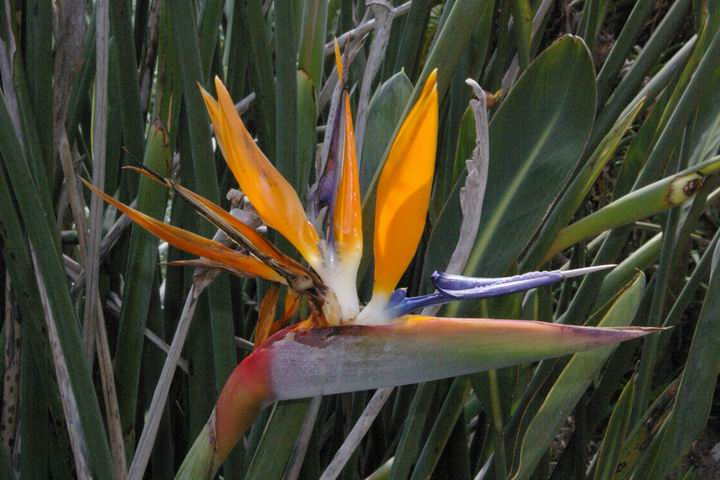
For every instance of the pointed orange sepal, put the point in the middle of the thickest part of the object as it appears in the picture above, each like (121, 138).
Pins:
(238, 231)
(195, 244)
(348, 213)
(275, 200)
(403, 192)
(306, 324)
(338, 61)
(291, 306)
(266, 315)
(266, 324)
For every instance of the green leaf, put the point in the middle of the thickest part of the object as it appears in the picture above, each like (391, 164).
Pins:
(286, 94)
(615, 434)
(632, 80)
(593, 16)
(687, 294)
(215, 346)
(697, 386)
(522, 27)
(306, 136)
(39, 74)
(639, 204)
(127, 79)
(613, 244)
(312, 39)
(622, 46)
(49, 268)
(450, 43)
(688, 94)
(211, 16)
(33, 419)
(645, 431)
(575, 378)
(140, 274)
(643, 257)
(579, 188)
(18, 264)
(536, 138)
(6, 469)
(31, 138)
(261, 71)
(409, 446)
(412, 37)
(278, 440)
(445, 421)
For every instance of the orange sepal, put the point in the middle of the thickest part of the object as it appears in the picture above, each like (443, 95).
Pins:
(193, 243)
(292, 303)
(348, 213)
(266, 315)
(306, 324)
(218, 216)
(338, 61)
(275, 200)
(403, 192)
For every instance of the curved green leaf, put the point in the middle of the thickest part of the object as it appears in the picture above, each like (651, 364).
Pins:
(536, 138)
(572, 383)
(580, 187)
(614, 434)
(306, 136)
(697, 386)
(140, 273)
(277, 441)
(444, 424)
(659, 196)
(645, 431)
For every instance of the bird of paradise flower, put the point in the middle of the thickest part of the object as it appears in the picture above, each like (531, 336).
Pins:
(342, 346)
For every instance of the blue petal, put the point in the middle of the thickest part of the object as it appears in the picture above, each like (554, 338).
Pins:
(447, 281)
(458, 287)
(397, 297)
(476, 288)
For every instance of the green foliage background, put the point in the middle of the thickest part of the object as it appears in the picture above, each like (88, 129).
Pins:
(588, 129)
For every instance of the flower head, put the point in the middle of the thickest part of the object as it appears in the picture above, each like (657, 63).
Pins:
(344, 346)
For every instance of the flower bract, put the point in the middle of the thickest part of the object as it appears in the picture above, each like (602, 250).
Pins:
(341, 345)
